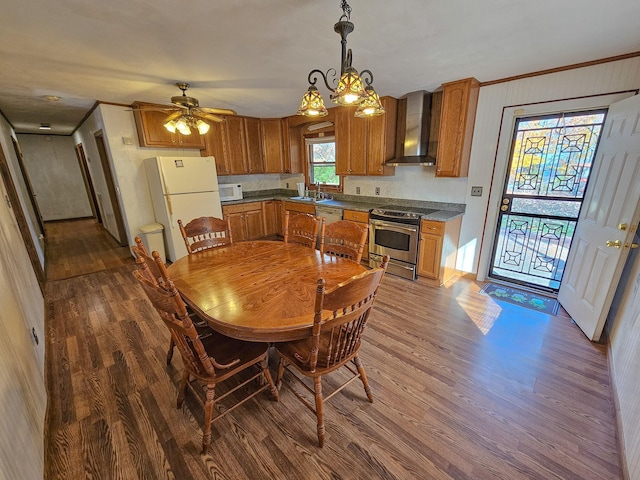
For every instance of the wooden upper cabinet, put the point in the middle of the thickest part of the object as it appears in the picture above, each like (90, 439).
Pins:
(253, 136)
(151, 131)
(273, 145)
(364, 144)
(381, 138)
(215, 144)
(351, 142)
(459, 103)
(236, 145)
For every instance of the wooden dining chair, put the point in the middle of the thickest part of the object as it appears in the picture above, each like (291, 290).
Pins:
(209, 358)
(301, 228)
(203, 233)
(149, 269)
(341, 314)
(344, 238)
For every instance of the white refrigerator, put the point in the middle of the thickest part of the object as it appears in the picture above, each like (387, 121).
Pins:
(182, 189)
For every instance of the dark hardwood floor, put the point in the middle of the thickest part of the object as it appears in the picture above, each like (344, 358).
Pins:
(464, 388)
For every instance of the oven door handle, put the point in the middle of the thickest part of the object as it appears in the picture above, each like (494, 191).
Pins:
(393, 227)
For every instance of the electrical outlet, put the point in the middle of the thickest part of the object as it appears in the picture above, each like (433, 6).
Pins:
(287, 184)
(377, 190)
(476, 191)
(357, 190)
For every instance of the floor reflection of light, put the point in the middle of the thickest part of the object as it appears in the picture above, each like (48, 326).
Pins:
(483, 311)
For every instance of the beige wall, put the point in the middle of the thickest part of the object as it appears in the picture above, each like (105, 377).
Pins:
(55, 176)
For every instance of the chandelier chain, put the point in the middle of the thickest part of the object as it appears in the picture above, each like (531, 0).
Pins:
(346, 9)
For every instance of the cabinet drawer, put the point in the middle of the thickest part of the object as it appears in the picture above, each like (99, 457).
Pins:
(431, 226)
(354, 216)
(300, 207)
(242, 207)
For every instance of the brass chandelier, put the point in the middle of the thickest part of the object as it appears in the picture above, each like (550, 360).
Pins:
(350, 88)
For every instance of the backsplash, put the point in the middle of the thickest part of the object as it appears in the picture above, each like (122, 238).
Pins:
(409, 183)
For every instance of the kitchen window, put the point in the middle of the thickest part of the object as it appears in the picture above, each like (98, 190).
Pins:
(321, 162)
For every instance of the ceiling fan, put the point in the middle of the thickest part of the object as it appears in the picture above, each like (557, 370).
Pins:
(186, 113)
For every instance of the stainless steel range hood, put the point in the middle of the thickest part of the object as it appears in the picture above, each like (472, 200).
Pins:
(414, 115)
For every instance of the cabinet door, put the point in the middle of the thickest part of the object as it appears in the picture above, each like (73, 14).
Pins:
(195, 140)
(279, 217)
(150, 127)
(343, 147)
(358, 128)
(351, 142)
(429, 255)
(272, 145)
(381, 139)
(254, 223)
(292, 159)
(269, 209)
(236, 143)
(255, 161)
(215, 144)
(459, 102)
(237, 225)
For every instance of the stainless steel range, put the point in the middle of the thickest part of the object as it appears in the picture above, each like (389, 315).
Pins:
(395, 231)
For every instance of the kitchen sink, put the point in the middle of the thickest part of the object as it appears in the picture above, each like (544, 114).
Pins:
(312, 200)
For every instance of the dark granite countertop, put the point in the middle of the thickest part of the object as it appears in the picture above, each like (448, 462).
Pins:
(444, 211)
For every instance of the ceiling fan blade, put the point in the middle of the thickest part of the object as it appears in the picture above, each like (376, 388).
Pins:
(218, 111)
(210, 117)
(173, 116)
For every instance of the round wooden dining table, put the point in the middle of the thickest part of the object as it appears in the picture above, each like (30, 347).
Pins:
(258, 291)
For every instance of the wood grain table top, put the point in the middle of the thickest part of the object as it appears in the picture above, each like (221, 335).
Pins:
(259, 291)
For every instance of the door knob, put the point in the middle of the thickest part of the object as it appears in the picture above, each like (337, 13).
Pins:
(616, 244)
(622, 226)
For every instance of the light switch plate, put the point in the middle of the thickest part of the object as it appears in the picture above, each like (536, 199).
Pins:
(476, 191)
(357, 190)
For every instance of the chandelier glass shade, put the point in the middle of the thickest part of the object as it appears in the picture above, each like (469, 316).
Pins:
(351, 88)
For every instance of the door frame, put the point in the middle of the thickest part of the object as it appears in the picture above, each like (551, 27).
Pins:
(111, 188)
(503, 148)
(88, 182)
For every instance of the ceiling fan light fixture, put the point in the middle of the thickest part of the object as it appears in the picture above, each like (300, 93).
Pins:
(203, 127)
(171, 126)
(182, 126)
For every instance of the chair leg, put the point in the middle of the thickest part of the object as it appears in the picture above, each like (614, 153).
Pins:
(172, 344)
(317, 384)
(280, 373)
(183, 388)
(264, 366)
(363, 377)
(208, 417)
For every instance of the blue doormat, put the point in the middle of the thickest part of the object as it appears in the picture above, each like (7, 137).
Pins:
(523, 298)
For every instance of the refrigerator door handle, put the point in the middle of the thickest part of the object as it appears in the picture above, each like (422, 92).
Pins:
(169, 207)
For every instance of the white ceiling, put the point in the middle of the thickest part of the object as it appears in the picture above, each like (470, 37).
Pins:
(254, 55)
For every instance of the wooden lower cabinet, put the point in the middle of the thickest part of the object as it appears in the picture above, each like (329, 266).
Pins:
(363, 218)
(438, 249)
(245, 220)
(272, 210)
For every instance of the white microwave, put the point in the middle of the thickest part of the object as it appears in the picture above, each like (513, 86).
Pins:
(230, 192)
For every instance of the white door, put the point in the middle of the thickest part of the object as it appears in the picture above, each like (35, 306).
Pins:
(188, 174)
(607, 222)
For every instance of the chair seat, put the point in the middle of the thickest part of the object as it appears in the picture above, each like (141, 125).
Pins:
(297, 353)
(229, 349)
